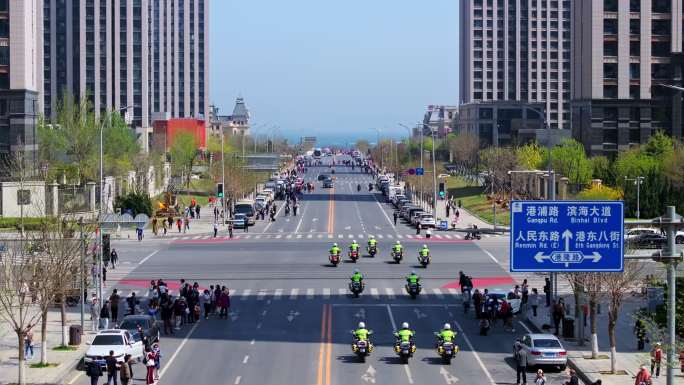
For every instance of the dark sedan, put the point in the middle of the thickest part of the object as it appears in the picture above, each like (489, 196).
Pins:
(648, 241)
(322, 177)
(149, 325)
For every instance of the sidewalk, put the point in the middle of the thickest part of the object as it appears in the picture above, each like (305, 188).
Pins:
(629, 359)
(65, 360)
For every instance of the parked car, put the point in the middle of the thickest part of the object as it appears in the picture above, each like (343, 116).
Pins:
(501, 294)
(117, 340)
(427, 221)
(648, 240)
(636, 231)
(150, 326)
(246, 207)
(544, 349)
(415, 216)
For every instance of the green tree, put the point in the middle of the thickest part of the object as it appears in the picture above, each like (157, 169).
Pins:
(602, 169)
(138, 203)
(659, 145)
(531, 156)
(570, 160)
(183, 154)
(121, 146)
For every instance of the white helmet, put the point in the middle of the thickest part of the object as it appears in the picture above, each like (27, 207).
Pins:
(398, 243)
(334, 244)
(425, 246)
(362, 325)
(447, 327)
(371, 236)
(405, 325)
(354, 241)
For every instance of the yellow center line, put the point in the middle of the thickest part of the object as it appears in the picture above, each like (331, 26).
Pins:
(331, 211)
(321, 351)
(329, 347)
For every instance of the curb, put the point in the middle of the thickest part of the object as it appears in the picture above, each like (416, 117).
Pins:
(584, 377)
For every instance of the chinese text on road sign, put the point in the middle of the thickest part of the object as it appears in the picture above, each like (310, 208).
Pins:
(567, 236)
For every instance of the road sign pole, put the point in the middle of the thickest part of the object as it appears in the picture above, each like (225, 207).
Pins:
(552, 196)
(671, 262)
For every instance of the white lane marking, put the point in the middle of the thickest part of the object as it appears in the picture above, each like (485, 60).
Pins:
(244, 360)
(293, 293)
(79, 374)
(197, 237)
(390, 292)
(178, 349)
(379, 236)
(148, 257)
(326, 292)
(477, 356)
(340, 236)
(288, 236)
(278, 236)
(301, 218)
(389, 236)
(361, 236)
(490, 256)
(400, 236)
(525, 327)
(342, 291)
(263, 313)
(299, 236)
(270, 223)
(252, 342)
(394, 327)
(447, 236)
(374, 292)
(237, 380)
(246, 293)
(309, 293)
(278, 293)
(330, 236)
(261, 294)
(309, 236)
(384, 213)
(350, 236)
(247, 236)
(258, 325)
(438, 293)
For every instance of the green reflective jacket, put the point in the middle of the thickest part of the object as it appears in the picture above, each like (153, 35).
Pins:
(413, 278)
(372, 242)
(404, 335)
(424, 252)
(397, 248)
(361, 334)
(354, 247)
(447, 335)
(356, 277)
(334, 250)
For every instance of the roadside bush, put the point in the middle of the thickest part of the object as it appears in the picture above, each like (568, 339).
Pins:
(137, 203)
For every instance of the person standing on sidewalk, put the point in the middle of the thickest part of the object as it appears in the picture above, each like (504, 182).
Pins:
(95, 313)
(215, 229)
(558, 314)
(230, 228)
(114, 300)
(104, 316)
(520, 364)
(656, 359)
(534, 301)
(111, 364)
(547, 291)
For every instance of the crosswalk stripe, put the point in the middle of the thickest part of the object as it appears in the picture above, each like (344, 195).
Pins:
(390, 292)
(389, 236)
(288, 236)
(340, 236)
(245, 294)
(400, 236)
(309, 293)
(261, 294)
(453, 291)
(379, 236)
(326, 292)
(341, 292)
(247, 236)
(278, 236)
(309, 236)
(438, 236)
(330, 236)
(374, 292)
(361, 236)
(197, 237)
(438, 293)
(278, 294)
(447, 236)
(299, 236)
(351, 236)
(293, 293)
(256, 237)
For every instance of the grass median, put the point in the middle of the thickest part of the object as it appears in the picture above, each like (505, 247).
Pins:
(474, 199)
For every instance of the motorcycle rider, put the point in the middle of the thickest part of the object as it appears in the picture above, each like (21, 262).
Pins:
(397, 248)
(446, 334)
(405, 334)
(411, 279)
(335, 250)
(424, 251)
(372, 242)
(357, 277)
(361, 333)
(354, 246)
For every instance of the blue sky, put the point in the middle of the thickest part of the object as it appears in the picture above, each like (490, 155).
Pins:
(334, 69)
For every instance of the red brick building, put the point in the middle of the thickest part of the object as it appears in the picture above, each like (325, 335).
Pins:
(164, 132)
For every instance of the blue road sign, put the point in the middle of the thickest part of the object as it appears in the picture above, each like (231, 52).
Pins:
(420, 171)
(567, 236)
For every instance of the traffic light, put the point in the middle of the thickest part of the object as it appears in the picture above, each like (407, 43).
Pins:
(219, 190)
(106, 247)
(442, 193)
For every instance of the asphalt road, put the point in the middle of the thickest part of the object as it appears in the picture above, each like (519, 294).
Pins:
(291, 314)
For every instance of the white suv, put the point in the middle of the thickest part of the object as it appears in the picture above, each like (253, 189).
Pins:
(119, 341)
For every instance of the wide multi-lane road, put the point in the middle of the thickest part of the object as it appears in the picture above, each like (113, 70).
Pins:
(291, 314)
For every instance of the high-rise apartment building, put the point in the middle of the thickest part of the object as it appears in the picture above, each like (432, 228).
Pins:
(20, 78)
(517, 50)
(624, 51)
(149, 55)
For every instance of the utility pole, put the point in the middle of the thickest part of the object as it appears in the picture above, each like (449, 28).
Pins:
(637, 181)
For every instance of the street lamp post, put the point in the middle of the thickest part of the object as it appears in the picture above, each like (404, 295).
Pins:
(638, 181)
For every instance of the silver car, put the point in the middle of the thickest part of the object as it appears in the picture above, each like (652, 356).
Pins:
(544, 349)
